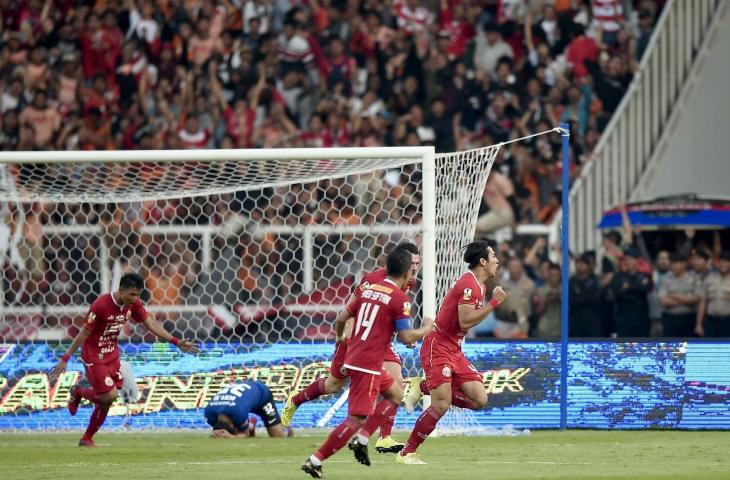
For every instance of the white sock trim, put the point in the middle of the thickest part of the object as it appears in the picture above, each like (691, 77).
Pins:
(315, 461)
(362, 439)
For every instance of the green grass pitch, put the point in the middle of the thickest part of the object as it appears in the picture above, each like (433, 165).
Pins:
(542, 455)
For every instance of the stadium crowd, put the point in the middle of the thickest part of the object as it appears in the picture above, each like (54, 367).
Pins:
(170, 74)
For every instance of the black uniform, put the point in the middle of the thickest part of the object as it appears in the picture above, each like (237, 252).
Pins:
(632, 306)
(585, 303)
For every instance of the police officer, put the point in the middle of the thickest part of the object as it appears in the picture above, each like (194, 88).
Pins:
(630, 289)
(713, 313)
(585, 300)
(678, 299)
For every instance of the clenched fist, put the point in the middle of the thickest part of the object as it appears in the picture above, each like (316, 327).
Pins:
(499, 294)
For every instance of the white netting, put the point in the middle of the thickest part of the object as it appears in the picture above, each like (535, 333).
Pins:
(239, 254)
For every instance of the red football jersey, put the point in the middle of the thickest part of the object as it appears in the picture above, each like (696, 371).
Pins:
(105, 320)
(466, 291)
(377, 311)
(377, 276)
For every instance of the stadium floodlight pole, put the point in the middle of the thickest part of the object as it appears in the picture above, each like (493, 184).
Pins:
(565, 276)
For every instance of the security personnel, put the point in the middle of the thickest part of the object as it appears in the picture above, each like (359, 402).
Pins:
(585, 300)
(630, 289)
(678, 299)
(713, 313)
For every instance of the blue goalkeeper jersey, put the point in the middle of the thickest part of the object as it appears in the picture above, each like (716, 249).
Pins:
(237, 401)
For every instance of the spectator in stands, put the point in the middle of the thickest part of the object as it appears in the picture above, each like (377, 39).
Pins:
(39, 122)
(629, 289)
(713, 313)
(490, 49)
(548, 304)
(514, 313)
(497, 193)
(585, 300)
(678, 297)
(646, 27)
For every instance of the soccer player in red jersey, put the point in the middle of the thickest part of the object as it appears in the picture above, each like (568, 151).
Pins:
(380, 310)
(392, 362)
(100, 352)
(450, 378)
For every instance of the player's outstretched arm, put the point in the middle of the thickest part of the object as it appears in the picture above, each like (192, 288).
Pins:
(412, 335)
(468, 317)
(185, 345)
(61, 365)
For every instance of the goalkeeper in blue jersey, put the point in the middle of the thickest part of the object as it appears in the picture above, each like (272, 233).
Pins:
(228, 411)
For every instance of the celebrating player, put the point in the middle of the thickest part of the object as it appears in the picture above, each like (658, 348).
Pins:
(100, 352)
(380, 310)
(450, 378)
(336, 379)
(228, 411)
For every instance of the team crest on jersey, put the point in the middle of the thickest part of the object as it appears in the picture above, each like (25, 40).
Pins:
(91, 317)
(467, 293)
(108, 381)
(407, 309)
(446, 372)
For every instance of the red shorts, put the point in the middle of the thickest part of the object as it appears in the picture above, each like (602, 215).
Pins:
(104, 376)
(444, 365)
(392, 356)
(364, 390)
(338, 361)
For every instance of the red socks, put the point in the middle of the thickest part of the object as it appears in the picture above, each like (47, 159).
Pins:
(423, 428)
(88, 393)
(337, 439)
(314, 390)
(384, 411)
(387, 424)
(96, 421)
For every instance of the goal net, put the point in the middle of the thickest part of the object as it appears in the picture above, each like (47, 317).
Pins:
(252, 253)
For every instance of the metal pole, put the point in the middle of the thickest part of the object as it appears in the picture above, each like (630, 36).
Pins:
(565, 249)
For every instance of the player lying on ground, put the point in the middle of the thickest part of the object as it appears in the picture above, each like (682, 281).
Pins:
(450, 378)
(380, 310)
(228, 411)
(100, 352)
(336, 378)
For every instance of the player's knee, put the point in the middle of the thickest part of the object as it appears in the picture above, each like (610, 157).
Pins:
(333, 385)
(394, 394)
(441, 405)
(480, 402)
(109, 398)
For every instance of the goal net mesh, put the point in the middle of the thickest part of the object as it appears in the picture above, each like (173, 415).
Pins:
(251, 258)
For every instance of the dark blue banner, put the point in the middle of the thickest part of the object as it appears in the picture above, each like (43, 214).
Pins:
(611, 385)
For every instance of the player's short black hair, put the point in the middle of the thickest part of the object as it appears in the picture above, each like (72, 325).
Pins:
(408, 247)
(477, 250)
(131, 280)
(226, 424)
(398, 263)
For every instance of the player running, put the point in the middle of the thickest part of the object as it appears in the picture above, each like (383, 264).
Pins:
(392, 363)
(450, 378)
(380, 310)
(100, 351)
(228, 411)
